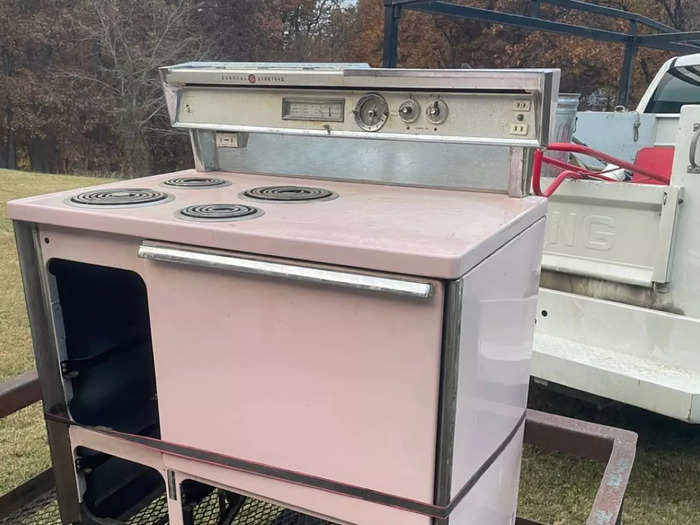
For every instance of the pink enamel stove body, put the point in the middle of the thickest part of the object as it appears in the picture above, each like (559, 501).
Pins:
(354, 350)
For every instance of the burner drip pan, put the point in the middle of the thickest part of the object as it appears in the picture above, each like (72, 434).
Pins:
(289, 193)
(120, 197)
(196, 182)
(219, 212)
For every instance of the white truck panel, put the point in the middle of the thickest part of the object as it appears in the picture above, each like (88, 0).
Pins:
(685, 273)
(624, 134)
(614, 132)
(638, 356)
(615, 232)
(640, 347)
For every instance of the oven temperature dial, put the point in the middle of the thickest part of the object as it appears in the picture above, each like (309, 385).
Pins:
(436, 112)
(371, 112)
(409, 111)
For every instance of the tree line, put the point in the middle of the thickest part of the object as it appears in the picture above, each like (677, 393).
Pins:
(79, 84)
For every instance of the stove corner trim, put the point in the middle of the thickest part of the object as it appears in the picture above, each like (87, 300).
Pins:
(36, 294)
(447, 411)
(205, 259)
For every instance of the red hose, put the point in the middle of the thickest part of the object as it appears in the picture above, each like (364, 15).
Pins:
(572, 171)
(537, 172)
(566, 174)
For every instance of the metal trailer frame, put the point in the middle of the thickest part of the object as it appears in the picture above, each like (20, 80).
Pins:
(609, 445)
(665, 37)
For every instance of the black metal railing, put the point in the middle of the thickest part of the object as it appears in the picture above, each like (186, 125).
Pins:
(666, 37)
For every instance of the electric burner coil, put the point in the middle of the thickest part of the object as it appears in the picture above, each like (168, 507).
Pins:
(289, 193)
(120, 197)
(219, 212)
(196, 182)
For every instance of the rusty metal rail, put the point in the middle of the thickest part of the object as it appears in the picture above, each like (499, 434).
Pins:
(18, 393)
(15, 394)
(550, 432)
(613, 446)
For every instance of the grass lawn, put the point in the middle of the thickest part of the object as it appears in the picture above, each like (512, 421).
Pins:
(23, 446)
(665, 487)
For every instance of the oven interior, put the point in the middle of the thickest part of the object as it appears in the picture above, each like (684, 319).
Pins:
(103, 326)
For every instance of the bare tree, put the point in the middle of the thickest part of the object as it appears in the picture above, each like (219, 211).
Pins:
(132, 39)
(675, 10)
(309, 29)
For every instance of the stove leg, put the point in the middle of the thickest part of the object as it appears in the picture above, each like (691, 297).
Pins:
(177, 514)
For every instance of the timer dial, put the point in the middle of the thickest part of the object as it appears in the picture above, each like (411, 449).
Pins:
(371, 112)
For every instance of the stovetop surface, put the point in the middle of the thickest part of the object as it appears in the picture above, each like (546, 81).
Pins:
(407, 230)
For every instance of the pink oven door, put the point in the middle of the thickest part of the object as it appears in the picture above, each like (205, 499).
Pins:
(323, 371)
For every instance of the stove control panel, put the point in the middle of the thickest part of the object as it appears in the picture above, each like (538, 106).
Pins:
(436, 116)
(498, 107)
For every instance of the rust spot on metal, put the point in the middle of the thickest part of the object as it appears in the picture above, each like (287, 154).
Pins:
(614, 446)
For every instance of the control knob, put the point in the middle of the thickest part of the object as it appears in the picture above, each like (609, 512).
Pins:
(409, 111)
(436, 112)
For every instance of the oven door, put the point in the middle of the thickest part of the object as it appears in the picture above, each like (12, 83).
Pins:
(325, 371)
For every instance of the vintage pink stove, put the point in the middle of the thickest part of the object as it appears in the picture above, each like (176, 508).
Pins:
(337, 325)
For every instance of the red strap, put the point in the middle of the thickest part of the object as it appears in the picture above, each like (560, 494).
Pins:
(572, 171)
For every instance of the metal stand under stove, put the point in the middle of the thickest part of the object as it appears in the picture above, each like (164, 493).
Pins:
(208, 511)
(34, 503)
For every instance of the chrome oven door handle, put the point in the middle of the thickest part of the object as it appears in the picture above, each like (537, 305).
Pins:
(694, 168)
(403, 287)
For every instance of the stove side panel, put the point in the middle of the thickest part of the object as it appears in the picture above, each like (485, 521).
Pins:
(499, 300)
(491, 501)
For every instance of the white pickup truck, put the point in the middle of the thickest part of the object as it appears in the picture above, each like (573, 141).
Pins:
(619, 307)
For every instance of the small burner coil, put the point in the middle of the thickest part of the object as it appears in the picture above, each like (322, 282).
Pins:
(196, 182)
(219, 212)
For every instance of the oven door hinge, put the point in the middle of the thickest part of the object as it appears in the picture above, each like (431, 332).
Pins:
(71, 368)
(86, 464)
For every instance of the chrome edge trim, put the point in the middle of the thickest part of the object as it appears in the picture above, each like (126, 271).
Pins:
(38, 302)
(520, 171)
(483, 141)
(401, 287)
(516, 173)
(204, 149)
(449, 382)
(379, 78)
(549, 100)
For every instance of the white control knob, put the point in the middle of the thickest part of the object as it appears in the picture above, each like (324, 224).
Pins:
(409, 111)
(437, 112)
